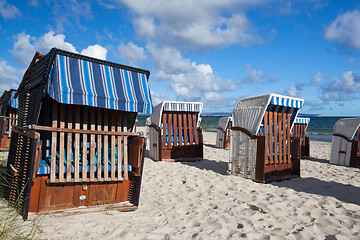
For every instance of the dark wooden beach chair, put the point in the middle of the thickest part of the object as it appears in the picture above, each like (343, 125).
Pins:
(261, 145)
(299, 130)
(73, 144)
(175, 133)
(223, 133)
(345, 146)
(8, 118)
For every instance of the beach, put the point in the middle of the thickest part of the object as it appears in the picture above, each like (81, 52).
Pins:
(198, 200)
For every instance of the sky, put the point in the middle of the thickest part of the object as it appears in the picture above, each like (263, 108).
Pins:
(213, 51)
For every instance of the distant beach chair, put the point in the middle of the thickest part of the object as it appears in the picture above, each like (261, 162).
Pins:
(223, 133)
(8, 118)
(345, 147)
(175, 133)
(147, 127)
(261, 146)
(73, 144)
(299, 130)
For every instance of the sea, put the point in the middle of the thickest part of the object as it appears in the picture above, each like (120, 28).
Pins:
(319, 129)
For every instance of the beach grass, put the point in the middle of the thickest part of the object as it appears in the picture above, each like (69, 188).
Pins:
(12, 226)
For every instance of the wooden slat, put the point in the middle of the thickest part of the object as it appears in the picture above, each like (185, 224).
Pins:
(53, 142)
(61, 144)
(271, 141)
(92, 145)
(119, 146)
(190, 126)
(284, 136)
(165, 128)
(69, 146)
(77, 144)
(99, 143)
(180, 129)
(276, 134)
(126, 160)
(106, 145)
(112, 156)
(266, 137)
(288, 136)
(175, 128)
(186, 129)
(170, 130)
(280, 129)
(195, 129)
(84, 144)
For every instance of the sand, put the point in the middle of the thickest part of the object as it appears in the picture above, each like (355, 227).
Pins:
(198, 200)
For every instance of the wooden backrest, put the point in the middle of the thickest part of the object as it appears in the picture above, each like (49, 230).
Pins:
(276, 129)
(7, 122)
(299, 131)
(82, 137)
(228, 132)
(180, 128)
(357, 138)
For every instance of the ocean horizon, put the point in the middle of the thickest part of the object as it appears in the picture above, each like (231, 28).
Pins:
(319, 129)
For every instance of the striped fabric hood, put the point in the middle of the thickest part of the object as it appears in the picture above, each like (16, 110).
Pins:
(81, 80)
(249, 112)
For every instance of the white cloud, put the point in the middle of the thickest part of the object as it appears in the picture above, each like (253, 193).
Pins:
(252, 75)
(131, 53)
(318, 78)
(194, 25)
(189, 80)
(351, 60)
(292, 91)
(69, 13)
(25, 47)
(157, 98)
(345, 29)
(23, 50)
(347, 87)
(95, 51)
(50, 40)
(10, 77)
(34, 3)
(8, 10)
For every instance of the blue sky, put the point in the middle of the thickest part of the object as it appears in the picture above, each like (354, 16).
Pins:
(212, 51)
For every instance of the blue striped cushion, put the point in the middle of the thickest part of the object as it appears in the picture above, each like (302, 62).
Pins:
(44, 168)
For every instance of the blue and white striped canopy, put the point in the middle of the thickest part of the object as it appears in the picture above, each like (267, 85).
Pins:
(249, 112)
(182, 106)
(286, 102)
(81, 82)
(300, 120)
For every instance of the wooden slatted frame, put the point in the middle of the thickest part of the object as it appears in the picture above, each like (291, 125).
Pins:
(91, 140)
(182, 131)
(276, 131)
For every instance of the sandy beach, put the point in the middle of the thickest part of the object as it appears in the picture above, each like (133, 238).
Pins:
(198, 200)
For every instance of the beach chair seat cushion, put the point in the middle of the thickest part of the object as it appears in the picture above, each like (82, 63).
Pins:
(44, 168)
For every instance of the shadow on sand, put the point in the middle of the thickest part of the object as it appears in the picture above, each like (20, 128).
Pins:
(210, 145)
(217, 167)
(316, 159)
(342, 192)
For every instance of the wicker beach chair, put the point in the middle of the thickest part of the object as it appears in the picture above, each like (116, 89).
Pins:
(345, 146)
(261, 145)
(8, 118)
(175, 133)
(223, 132)
(299, 130)
(73, 144)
